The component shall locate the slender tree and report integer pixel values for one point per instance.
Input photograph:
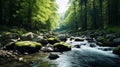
(1, 11)
(101, 13)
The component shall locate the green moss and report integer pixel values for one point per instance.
(24, 46)
(117, 50)
(28, 43)
(62, 43)
(53, 40)
(62, 46)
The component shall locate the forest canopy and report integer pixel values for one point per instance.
(29, 14)
(43, 15)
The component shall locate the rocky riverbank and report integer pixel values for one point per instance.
(13, 45)
(21, 48)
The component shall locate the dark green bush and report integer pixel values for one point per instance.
(116, 50)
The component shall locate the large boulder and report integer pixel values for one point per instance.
(100, 38)
(63, 37)
(41, 40)
(53, 40)
(110, 37)
(24, 46)
(116, 41)
(116, 50)
(8, 41)
(8, 37)
(62, 46)
(102, 41)
(47, 49)
(53, 56)
(28, 36)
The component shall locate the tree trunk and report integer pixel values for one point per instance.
(1, 11)
(101, 14)
(109, 12)
(76, 24)
(94, 24)
(85, 17)
(29, 15)
(11, 12)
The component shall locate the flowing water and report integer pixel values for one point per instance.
(83, 56)
(88, 57)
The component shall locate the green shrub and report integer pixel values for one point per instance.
(116, 50)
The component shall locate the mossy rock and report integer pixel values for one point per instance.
(116, 50)
(104, 42)
(101, 39)
(44, 42)
(62, 46)
(28, 36)
(24, 46)
(10, 46)
(7, 36)
(53, 40)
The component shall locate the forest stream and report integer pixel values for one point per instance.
(36, 33)
(85, 56)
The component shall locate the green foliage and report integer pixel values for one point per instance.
(113, 29)
(30, 14)
(116, 50)
(42, 14)
(45, 14)
(71, 16)
(92, 15)
(4, 29)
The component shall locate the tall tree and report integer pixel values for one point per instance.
(101, 13)
(84, 14)
(1, 11)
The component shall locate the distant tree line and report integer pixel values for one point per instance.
(92, 15)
